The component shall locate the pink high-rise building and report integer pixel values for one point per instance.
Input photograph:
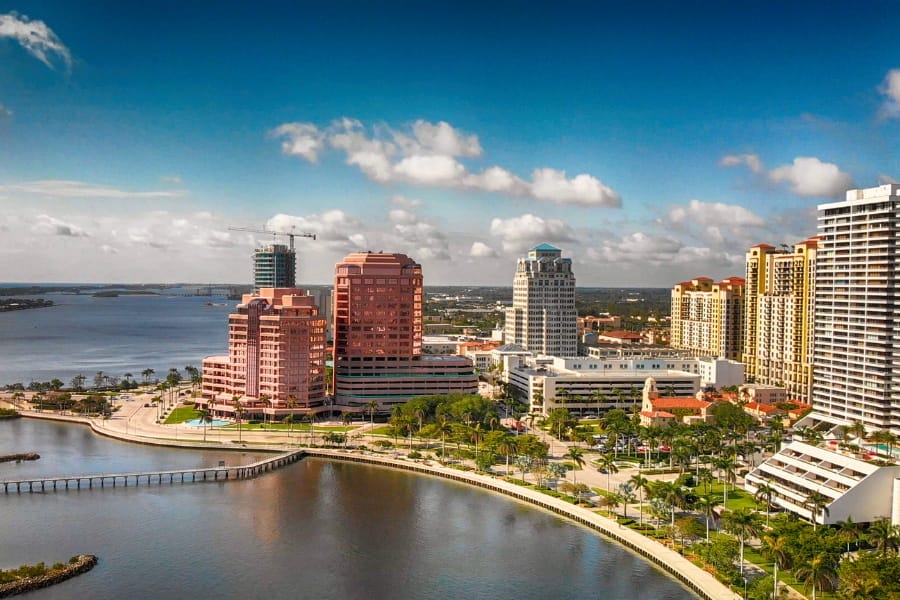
(378, 336)
(276, 358)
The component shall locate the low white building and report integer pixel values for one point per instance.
(853, 487)
(592, 386)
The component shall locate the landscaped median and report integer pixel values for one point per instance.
(696, 579)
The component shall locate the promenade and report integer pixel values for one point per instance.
(134, 422)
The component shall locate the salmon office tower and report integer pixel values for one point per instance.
(378, 336)
(542, 318)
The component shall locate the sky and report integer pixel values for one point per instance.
(653, 142)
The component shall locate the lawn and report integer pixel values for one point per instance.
(297, 428)
(182, 414)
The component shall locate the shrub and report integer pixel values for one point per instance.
(415, 454)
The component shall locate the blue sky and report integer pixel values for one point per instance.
(653, 142)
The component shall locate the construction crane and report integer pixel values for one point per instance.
(290, 235)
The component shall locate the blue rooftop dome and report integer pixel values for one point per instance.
(546, 248)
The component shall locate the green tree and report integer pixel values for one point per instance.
(576, 455)
(763, 495)
(607, 464)
(818, 573)
(642, 484)
(817, 504)
(743, 524)
(507, 448)
(707, 505)
(883, 536)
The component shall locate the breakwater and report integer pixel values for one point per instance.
(82, 564)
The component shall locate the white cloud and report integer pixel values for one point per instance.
(401, 216)
(584, 190)
(519, 233)
(809, 176)
(806, 175)
(890, 89)
(301, 139)
(47, 225)
(333, 228)
(885, 179)
(427, 154)
(405, 202)
(36, 38)
(481, 250)
(751, 161)
(172, 179)
(714, 213)
(107, 249)
(59, 188)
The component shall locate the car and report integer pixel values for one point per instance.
(664, 448)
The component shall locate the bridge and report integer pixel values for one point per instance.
(223, 473)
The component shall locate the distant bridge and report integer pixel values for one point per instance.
(224, 473)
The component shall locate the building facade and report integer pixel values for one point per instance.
(542, 318)
(274, 266)
(778, 321)
(378, 358)
(707, 317)
(276, 357)
(856, 358)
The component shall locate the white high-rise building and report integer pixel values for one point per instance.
(542, 318)
(856, 359)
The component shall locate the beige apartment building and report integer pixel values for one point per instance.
(707, 317)
(778, 331)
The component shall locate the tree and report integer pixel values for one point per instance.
(884, 536)
(238, 413)
(626, 493)
(78, 382)
(707, 504)
(576, 455)
(372, 405)
(443, 427)
(507, 448)
(816, 503)
(205, 419)
(146, 373)
(607, 464)
(819, 573)
(869, 576)
(849, 531)
(642, 484)
(743, 524)
(764, 495)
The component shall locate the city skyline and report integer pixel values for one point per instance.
(651, 144)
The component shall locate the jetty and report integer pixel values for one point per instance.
(191, 475)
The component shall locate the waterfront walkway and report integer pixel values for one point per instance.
(136, 423)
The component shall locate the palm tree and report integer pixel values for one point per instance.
(289, 419)
(849, 531)
(816, 503)
(443, 427)
(238, 413)
(858, 430)
(744, 524)
(642, 484)
(764, 495)
(708, 504)
(818, 573)
(884, 536)
(205, 419)
(577, 457)
(507, 448)
(372, 406)
(607, 463)
(777, 547)
(146, 373)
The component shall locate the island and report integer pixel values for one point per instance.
(8, 304)
(28, 578)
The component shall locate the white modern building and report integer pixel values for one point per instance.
(851, 487)
(856, 357)
(542, 318)
(591, 386)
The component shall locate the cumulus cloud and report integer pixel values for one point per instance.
(806, 176)
(107, 249)
(47, 225)
(172, 179)
(809, 176)
(714, 214)
(482, 250)
(334, 228)
(751, 161)
(522, 232)
(405, 202)
(429, 154)
(36, 38)
(59, 188)
(890, 89)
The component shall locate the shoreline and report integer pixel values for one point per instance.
(692, 577)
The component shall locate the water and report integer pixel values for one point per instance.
(316, 529)
(83, 334)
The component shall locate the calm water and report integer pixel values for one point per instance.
(83, 334)
(316, 529)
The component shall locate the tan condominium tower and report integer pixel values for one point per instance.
(542, 318)
(707, 317)
(856, 359)
(778, 320)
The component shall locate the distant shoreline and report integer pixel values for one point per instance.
(11, 304)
